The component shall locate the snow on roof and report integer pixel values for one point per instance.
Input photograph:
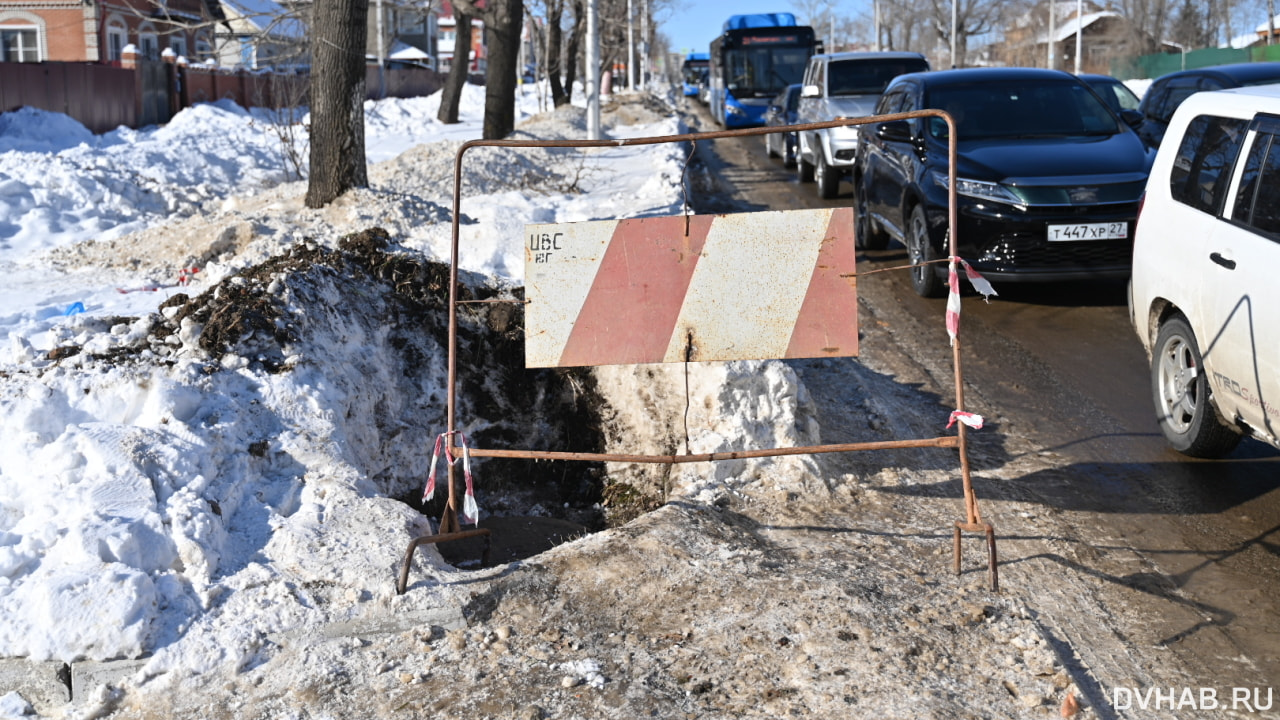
(403, 51)
(268, 16)
(1066, 28)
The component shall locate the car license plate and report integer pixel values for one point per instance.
(1089, 231)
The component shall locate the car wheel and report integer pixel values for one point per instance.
(924, 279)
(867, 235)
(789, 156)
(804, 170)
(828, 179)
(1181, 392)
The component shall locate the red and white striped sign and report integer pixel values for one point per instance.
(734, 287)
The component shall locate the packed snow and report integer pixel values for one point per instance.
(160, 510)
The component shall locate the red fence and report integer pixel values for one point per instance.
(103, 97)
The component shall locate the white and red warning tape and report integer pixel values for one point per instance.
(983, 287)
(470, 510)
(185, 276)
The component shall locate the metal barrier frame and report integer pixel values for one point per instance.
(449, 528)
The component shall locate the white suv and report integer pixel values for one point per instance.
(1205, 293)
(842, 85)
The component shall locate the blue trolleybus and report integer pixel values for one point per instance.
(694, 71)
(753, 60)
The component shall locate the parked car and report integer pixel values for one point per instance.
(1168, 91)
(1048, 179)
(782, 111)
(1204, 298)
(1115, 94)
(842, 85)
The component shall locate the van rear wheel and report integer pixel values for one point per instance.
(1181, 393)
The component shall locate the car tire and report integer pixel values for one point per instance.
(1181, 392)
(867, 235)
(789, 152)
(804, 169)
(828, 178)
(924, 279)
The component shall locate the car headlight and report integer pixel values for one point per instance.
(980, 189)
(734, 110)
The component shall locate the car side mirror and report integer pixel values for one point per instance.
(894, 131)
(810, 91)
(1132, 118)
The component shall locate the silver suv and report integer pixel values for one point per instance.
(1204, 297)
(842, 85)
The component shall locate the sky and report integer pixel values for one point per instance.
(692, 26)
(133, 523)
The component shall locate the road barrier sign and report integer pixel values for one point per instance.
(677, 289)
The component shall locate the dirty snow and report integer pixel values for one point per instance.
(227, 518)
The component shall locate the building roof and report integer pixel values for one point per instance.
(267, 17)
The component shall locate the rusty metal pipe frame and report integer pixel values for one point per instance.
(403, 580)
(973, 519)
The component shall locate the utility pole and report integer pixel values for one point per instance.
(382, 55)
(1052, 45)
(593, 73)
(955, 22)
(1271, 22)
(631, 47)
(644, 43)
(1079, 31)
(875, 14)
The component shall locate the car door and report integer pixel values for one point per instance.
(873, 159)
(1241, 346)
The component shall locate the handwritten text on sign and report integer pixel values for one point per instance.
(733, 287)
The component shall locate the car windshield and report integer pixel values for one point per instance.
(868, 77)
(1020, 109)
(1115, 94)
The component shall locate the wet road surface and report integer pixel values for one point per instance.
(1192, 547)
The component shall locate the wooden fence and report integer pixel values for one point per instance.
(104, 97)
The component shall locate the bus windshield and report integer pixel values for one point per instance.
(763, 71)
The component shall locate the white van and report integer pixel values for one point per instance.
(1205, 291)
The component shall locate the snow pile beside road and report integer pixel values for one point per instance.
(186, 482)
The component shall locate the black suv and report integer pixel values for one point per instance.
(1048, 177)
(1168, 91)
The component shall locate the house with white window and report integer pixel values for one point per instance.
(99, 30)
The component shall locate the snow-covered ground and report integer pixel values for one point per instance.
(208, 508)
(174, 506)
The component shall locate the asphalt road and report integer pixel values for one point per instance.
(1060, 366)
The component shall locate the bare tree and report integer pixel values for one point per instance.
(337, 100)
(973, 17)
(502, 20)
(451, 93)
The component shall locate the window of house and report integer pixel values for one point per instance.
(1202, 167)
(447, 35)
(178, 44)
(148, 46)
(19, 44)
(117, 38)
(204, 50)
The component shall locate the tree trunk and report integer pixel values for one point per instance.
(451, 93)
(575, 43)
(555, 11)
(502, 25)
(337, 100)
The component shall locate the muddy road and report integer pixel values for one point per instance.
(1185, 553)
